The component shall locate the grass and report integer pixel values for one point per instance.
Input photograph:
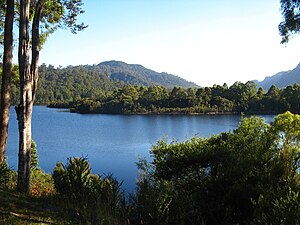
(17, 209)
(44, 205)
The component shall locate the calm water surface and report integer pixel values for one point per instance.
(112, 143)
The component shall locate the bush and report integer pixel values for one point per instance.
(152, 199)
(247, 176)
(41, 184)
(6, 174)
(97, 200)
(34, 160)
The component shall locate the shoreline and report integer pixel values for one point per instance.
(168, 113)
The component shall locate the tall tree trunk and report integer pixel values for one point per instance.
(26, 102)
(28, 87)
(36, 46)
(6, 77)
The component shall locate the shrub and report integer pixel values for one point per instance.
(41, 183)
(246, 176)
(6, 174)
(97, 200)
(152, 199)
(74, 180)
(34, 161)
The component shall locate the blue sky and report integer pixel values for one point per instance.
(207, 42)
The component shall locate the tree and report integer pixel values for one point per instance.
(178, 97)
(246, 176)
(53, 15)
(290, 25)
(6, 76)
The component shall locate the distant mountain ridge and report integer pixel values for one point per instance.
(281, 79)
(66, 84)
(138, 75)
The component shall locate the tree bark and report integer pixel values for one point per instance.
(28, 87)
(26, 102)
(36, 46)
(6, 77)
(29, 77)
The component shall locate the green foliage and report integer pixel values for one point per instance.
(74, 179)
(15, 74)
(92, 89)
(41, 183)
(278, 208)
(58, 14)
(139, 75)
(247, 176)
(151, 201)
(64, 85)
(5, 173)
(237, 98)
(96, 199)
(290, 10)
(34, 161)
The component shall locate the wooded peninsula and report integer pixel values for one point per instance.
(236, 99)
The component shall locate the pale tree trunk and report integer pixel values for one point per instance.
(28, 87)
(6, 76)
(24, 111)
(36, 46)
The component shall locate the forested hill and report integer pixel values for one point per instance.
(281, 79)
(139, 75)
(91, 81)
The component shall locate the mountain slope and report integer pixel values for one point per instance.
(139, 75)
(91, 81)
(281, 79)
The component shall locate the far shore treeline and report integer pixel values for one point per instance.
(87, 89)
(236, 99)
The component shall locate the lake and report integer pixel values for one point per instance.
(112, 143)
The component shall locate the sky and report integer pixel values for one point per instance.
(204, 41)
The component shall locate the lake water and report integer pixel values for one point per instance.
(112, 143)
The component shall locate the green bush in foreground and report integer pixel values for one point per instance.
(96, 199)
(6, 174)
(247, 176)
(41, 183)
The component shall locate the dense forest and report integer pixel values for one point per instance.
(238, 98)
(94, 89)
(138, 75)
(102, 89)
(92, 81)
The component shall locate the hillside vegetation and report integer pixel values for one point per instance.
(138, 75)
(92, 81)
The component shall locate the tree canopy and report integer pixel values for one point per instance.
(238, 98)
(290, 25)
(246, 176)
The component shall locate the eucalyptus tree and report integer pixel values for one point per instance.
(290, 25)
(41, 18)
(8, 10)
